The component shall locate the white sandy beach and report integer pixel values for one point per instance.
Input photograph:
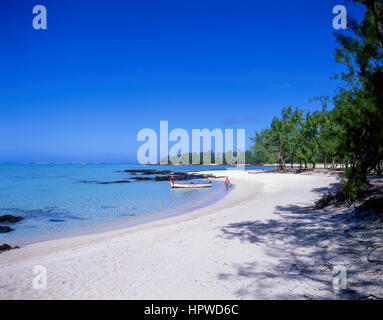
(237, 248)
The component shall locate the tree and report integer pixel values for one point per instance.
(278, 144)
(329, 135)
(263, 149)
(308, 138)
(359, 104)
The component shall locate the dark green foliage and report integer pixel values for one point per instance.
(278, 144)
(359, 104)
(297, 138)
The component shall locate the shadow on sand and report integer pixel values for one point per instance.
(306, 245)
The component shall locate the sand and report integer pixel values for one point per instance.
(248, 245)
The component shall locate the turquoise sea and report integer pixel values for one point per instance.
(57, 200)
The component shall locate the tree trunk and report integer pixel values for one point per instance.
(305, 165)
(325, 161)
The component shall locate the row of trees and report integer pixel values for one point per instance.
(209, 157)
(299, 137)
(352, 132)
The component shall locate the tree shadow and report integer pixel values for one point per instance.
(306, 244)
(331, 188)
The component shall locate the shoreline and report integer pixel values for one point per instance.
(231, 249)
(115, 228)
(105, 227)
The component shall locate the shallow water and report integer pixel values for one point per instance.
(54, 200)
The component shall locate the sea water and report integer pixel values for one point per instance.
(56, 200)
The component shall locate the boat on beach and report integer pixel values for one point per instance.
(175, 185)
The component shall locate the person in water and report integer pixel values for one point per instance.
(171, 181)
(227, 184)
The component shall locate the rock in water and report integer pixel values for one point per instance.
(9, 218)
(7, 247)
(4, 229)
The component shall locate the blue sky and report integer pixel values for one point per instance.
(103, 70)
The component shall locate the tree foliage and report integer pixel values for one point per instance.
(359, 104)
(297, 137)
(352, 132)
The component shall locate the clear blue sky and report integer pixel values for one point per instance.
(103, 70)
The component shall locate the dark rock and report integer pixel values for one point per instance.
(182, 177)
(104, 182)
(175, 177)
(9, 218)
(110, 182)
(160, 175)
(56, 220)
(160, 172)
(6, 247)
(4, 229)
(142, 178)
(148, 172)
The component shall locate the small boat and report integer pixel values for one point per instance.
(175, 185)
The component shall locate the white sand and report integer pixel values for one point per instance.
(200, 255)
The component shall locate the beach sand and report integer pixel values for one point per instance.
(243, 246)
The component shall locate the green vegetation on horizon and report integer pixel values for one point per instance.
(207, 157)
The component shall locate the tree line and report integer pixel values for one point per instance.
(299, 137)
(207, 157)
(351, 132)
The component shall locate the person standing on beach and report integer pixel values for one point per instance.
(227, 183)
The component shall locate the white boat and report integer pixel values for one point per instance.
(190, 184)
